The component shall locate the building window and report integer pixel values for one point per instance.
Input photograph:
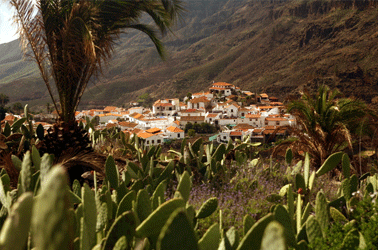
(153, 142)
(224, 137)
(277, 123)
(266, 123)
(158, 141)
(148, 142)
(178, 135)
(250, 119)
(232, 110)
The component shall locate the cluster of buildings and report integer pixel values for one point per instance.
(235, 112)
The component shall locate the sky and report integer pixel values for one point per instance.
(7, 28)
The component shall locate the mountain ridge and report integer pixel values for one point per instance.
(278, 47)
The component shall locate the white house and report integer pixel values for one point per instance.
(208, 95)
(199, 102)
(211, 118)
(166, 107)
(151, 139)
(192, 112)
(174, 133)
(276, 121)
(232, 110)
(138, 110)
(221, 89)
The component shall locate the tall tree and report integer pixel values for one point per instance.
(71, 39)
(325, 123)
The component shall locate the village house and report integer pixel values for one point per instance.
(191, 119)
(231, 110)
(212, 118)
(138, 110)
(166, 107)
(192, 112)
(151, 139)
(127, 125)
(174, 133)
(208, 95)
(199, 102)
(221, 89)
(276, 121)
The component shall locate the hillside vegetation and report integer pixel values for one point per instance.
(278, 47)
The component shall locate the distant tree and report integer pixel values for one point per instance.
(189, 95)
(191, 132)
(188, 126)
(17, 107)
(4, 99)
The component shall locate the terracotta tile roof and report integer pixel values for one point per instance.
(189, 111)
(249, 93)
(136, 130)
(222, 84)
(199, 99)
(177, 122)
(212, 115)
(243, 126)
(263, 95)
(174, 129)
(139, 116)
(144, 135)
(192, 118)
(236, 133)
(266, 107)
(9, 117)
(153, 130)
(111, 125)
(275, 119)
(257, 130)
(128, 124)
(110, 108)
(243, 109)
(163, 104)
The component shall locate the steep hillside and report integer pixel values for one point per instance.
(278, 47)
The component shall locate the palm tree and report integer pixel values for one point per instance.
(70, 40)
(325, 123)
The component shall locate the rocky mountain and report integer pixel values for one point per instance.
(278, 47)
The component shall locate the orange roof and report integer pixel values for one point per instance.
(222, 84)
(163, 104)
(9, 117)
(138, 116)
(266, 107)
(199, 99)
(111, 125)
(110, 108)
(144, 135)
(236, 133)
(128, 124)
(248, 93)
(257, 130)
(192, 118)
(177, 122)
(275, 119)
(174, 129)
(263, 95)
(212, 115)
(153, 130)
(243, 126)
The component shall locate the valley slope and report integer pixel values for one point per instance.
(278, 47)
